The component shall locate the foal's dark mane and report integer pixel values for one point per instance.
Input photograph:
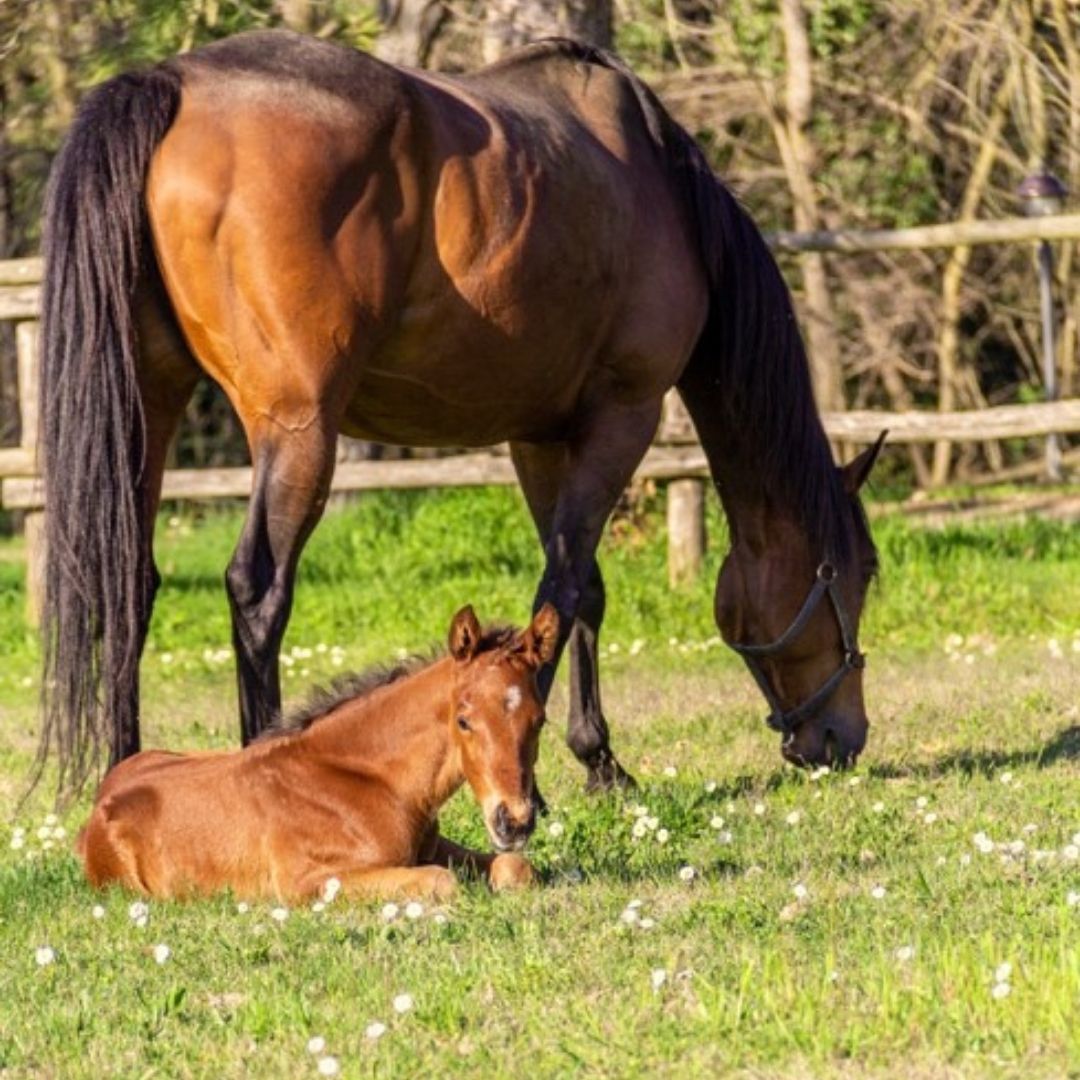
(323, 700)
(750, 361)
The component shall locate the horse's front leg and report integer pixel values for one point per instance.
(385, 883)
(571, 490)
(293, 469)
(505, 871)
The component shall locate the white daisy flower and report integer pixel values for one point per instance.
(1001, 990)
(687, 873)
(44, 956)
(793, 818)
(97, 911)
(716, 822)
(279, 914)
(403, 1003)
(162, 953)
(556, 829)
(663, 836)
(328, 1066)
(657, 978)
(800, 891)
(904, 953)
(375, 1030)
(390, 912)
(878, 892)
(138, 910)
(413, 910)
(316, 1044)
(330, 889)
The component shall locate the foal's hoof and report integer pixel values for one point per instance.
(606, 774)
(510, 872)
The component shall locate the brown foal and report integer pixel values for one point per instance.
(352, 792)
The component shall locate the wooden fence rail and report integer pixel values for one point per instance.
(677, 457)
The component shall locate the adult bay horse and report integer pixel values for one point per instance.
(534, 253)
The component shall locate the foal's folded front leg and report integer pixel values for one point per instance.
(394, 883)
(508, 871)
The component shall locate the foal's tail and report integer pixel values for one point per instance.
(98, 569)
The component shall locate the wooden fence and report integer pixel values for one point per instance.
(676, 457)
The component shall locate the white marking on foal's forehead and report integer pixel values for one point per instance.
(513, 698)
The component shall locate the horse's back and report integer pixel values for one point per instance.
(143, 803)
(461, 260)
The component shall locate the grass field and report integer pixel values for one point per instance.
(917, 917)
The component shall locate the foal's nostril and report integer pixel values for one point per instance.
(509, 828)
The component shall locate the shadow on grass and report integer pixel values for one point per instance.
(1063, 746)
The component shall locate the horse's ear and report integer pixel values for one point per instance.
(855, 472)
(540, 640)
(464, 634)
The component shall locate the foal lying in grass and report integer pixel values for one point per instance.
(351, 793)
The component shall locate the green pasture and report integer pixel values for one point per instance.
(919, 916)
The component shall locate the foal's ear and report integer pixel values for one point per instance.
(538, 642)
(856, 472)
(464, 634)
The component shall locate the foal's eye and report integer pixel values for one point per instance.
(463, 723)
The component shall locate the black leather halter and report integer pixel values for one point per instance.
(787, 722)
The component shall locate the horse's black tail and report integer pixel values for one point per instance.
(98, 567)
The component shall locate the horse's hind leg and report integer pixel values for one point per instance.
(293, 467)
(167, 376)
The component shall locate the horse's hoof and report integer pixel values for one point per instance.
(510, 872)
(608, 775)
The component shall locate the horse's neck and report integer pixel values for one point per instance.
(399, 733)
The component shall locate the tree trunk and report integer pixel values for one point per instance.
(409, 30)
(509, 24)
(797, 154)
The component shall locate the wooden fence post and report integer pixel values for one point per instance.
(34, 535)
(686, 530)
(27, 344)
(685, 501)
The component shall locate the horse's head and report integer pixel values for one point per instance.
(496, 717)
(793, 611)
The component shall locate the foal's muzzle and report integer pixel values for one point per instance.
(509, 833)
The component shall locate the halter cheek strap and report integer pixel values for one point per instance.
(825, 584)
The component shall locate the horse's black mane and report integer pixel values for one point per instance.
(750, 363)
(323, 700)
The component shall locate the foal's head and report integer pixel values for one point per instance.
(792, 610)
(495, 719)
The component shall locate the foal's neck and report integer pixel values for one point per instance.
(399, 734)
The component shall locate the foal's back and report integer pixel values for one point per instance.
(206, 797)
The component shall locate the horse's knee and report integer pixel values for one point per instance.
(587, 742)
(593, 601)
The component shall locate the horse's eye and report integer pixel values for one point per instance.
(463, 723)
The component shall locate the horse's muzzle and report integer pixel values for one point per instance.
(510, 833)
(827, 740)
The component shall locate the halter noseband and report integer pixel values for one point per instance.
(787, 722)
